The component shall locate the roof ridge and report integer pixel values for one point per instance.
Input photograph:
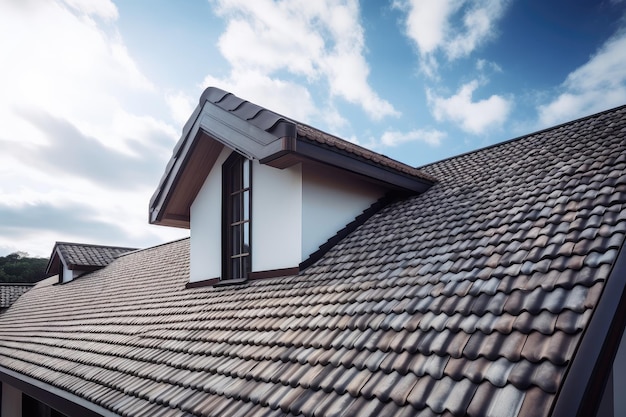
(153, 247)
(93, 245)
(522, 137)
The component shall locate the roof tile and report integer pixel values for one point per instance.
(469, 299)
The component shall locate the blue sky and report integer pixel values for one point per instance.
(93, 93)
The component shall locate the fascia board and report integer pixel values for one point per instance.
(581, 391)
(238, 134)
(348, 163)
(166, 188)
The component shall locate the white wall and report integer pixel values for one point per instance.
(276, 217)
(331, 200)
(294, 211)
(206, 225)
(11, 402)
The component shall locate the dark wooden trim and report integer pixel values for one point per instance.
(349, 228)
(204, 283)
(227, 282)
(349, 162)
(273, 273)
(581, 392)
(62, 401)
(252, 276)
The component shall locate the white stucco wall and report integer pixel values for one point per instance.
(276, 217)
(331, 200)
(11, 402)
(294, 211)
(206, 225)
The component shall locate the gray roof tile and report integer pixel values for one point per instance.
(9, 293)
(469, 299)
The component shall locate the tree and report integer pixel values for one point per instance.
(19, 267)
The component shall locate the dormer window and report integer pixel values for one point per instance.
(236, 186)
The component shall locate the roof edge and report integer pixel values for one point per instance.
(60, 400)
(581, 392)
(524, 136)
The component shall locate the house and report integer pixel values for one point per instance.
(323, 279)
(71, 260)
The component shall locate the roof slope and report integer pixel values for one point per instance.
(11, 292)
(468, 299)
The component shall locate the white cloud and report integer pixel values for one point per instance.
(472, 116)
(74, 138)
(181, 106)
(484, 65)
(597, 85)
(452, 27)
(284, 97)
(101, 8)
(321, 41)
(429, 136)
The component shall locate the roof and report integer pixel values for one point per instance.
(11, 292)
(470, 299)
(223, 119)
(81, 256)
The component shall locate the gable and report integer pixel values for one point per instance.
(224, 120)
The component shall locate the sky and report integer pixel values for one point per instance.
(94, 93)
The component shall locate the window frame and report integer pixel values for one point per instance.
(233, 187)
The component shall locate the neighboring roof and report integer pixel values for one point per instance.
(83, 257)
(223, 119)
(470, 299)
(11, 292)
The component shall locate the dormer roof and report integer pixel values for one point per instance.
(10, 292)
(223, 119)
(82, 257)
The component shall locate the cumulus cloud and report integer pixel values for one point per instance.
(284, 97)
(75, 138)
(181, 106)
(597, 85)
(472, 116)
(429, 136)
(69, 153)
(321, 41)
(454, 28)
(101, 8)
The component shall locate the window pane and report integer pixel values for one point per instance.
(246, 173)
(236, 268)
(245, 266)
(246, 237)
(236, 239)
(236, 202)
(236, 176)
(246, 205)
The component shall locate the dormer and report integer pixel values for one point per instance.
(71, 260)
(264, 195)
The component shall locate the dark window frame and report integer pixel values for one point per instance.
(236, 221)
